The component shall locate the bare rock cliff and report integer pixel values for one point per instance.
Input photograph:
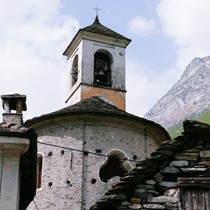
(190, 95)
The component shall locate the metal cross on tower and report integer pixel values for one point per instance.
(97, 9)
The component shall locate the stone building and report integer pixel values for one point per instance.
(17, 156)
(85, 147)
(176, 176)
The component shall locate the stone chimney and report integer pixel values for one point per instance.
(14, 102)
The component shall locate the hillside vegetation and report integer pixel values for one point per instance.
(177, 128)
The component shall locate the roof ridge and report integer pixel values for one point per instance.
(96, 20)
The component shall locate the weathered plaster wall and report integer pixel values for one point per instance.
(61, 177)
(71, 173)
(10, 150)
(85, 51)
(114, 97)
(71, 89)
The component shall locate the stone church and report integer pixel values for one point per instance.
(85, 147)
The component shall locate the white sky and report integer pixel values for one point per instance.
(166, 35)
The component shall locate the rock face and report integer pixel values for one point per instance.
(189, 97)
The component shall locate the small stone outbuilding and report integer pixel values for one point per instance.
(176, 176)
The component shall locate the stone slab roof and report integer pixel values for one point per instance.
(94, 106)
(153, 183)
(98, 28)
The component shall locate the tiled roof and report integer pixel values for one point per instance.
(8, 128)
(94, 106)
(98, 28)
(144, 186)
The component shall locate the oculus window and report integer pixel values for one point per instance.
(116, 165)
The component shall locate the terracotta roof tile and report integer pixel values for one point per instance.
(5, 127)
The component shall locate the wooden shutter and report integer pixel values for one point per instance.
(194, 193)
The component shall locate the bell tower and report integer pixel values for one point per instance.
(96, 63)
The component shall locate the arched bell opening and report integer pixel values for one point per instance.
(74, 71)
(102, 68)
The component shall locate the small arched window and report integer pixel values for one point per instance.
(102, 68)
(39, 171)
(74, 70)
(115, 165)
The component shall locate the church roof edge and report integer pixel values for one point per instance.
(93, 106)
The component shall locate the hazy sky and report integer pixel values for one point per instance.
(166, 35)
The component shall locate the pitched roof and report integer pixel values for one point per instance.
(98, 28)
(94, 106)
(152, 176)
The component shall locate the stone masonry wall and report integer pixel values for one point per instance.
(160, 188)
(61, 176)
(176, 176)
(70, 178)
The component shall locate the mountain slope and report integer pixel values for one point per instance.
(188, 98)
